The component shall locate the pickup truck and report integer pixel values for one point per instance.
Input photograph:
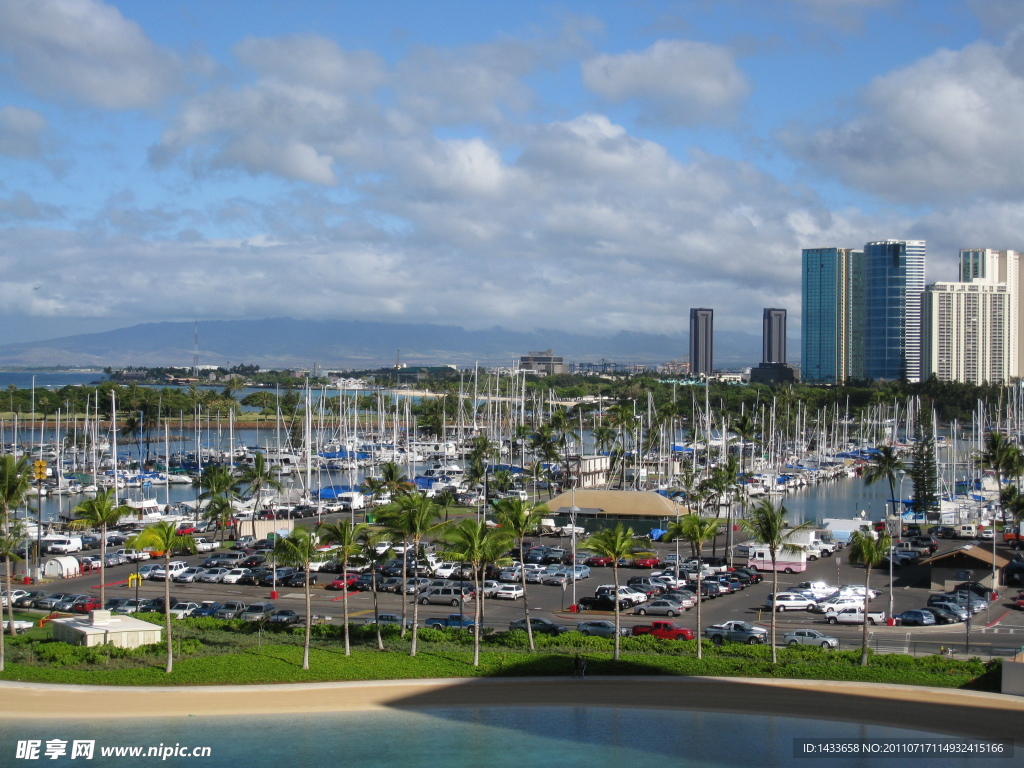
(854, 615)
(133, 555)
(736, 632)
(456, 620)
(603, 603)
(666, 630)
(204, 545)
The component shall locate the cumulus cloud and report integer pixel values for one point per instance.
(21, 132)
(85, 50)
(946, 127)
(679, 82)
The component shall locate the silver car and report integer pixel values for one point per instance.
(659, 607)
(600, 628)
(810, 637)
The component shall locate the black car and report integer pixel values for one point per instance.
(941, 615)
(754, 576)
(29, 600)
(90, 542)
(602, 603)
(365, 583)
(538, 624)
(253, 561)
(253, 577)
(925, 541)
(297, 579)
(942, 532)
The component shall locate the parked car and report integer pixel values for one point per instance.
(11, 597)
(141, 605)
(942, 616)
(86, 603)
(916, 618)
(207, 608)
(230, 610)
(214, 575)
(285, 616)
(114, 603)
(232, 575)
(183, 610)
(539, 625)
(173, 568)
(789, 601)
(509, 592)
(29, 599)
(659, 607)
(603, 603)
(189, 575)
(810, 637)
(258, 612)
(600, 628)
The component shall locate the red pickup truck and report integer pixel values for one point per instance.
(666, 630)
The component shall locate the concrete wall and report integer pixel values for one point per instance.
(1013, 675)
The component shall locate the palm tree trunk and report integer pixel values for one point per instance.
(344, 603)
(309, 621)
(167, 610)
(10, 609)
(103, 565)
(401, 589)
(477, 617)
(526, 600)
(700, 599)
(864, 629)
(415, 594)
(775, 592)
(376, 612)
(615, 574)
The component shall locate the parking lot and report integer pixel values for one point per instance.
(998, 630)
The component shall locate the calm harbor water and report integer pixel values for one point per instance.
(538, 737)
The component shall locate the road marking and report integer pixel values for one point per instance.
(993, 623)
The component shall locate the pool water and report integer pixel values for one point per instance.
(495, 737)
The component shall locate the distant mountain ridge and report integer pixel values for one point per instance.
(287, 343)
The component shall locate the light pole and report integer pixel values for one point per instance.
(573, 511)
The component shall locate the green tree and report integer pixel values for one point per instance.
(10, 542)
(520, 518)
(614, 543)
(375, 548)
(884, 464)
(471, 541)
(412, 517)
(697, 530)
(164, 537)
(346, 540)
(923, 471)
(870, 552)
(15, 483)
(394, 481)
(767, 524)
(100, 512)
(994, 456)
(298, 549)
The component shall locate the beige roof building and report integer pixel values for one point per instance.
(967, 563)
(612, 504)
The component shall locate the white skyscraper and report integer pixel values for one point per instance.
(984, 265)
(966, 332)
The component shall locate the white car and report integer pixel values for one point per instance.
(789, 601)
(509, 592)
(836, 603)
(489, 587)
(181, 610)
(819, 589)
(625, 593)
(173, 568)
(15, 595)
(232, 576)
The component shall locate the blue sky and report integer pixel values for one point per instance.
(587, 166)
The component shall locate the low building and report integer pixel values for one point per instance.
(544, 363)
(643, 511)
(588, 471)
(970, 562)
(100, 628)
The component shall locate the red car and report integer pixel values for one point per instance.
(84, 606)
(186, 530)
(344, 582)
(1020, 601)
(597, 560)
(647, 562)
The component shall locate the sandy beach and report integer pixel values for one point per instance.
(940, 710)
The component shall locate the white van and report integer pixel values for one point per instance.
(62, 545)
(967, 531)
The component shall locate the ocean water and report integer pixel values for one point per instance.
(533, 737)
(48, 379)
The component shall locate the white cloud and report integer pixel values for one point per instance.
(21, 132)
(86, 50)
(313, 62)
(680, 82)
(946, 127)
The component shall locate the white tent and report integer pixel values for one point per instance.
(62, 567)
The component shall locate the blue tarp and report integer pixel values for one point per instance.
(333, 491)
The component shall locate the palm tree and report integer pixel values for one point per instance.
(411, 517)
(866, 549)
(346, 540)
(884, 465)
(614, 543)
(376, 549)
(767, 525)
(220, 511)
(255, 479)
(100, 512)
(520, 518)
(471, 541)
(164, 537)
(298, 549)
(15, 483)
(10, 542)
(697, 530)
(445, 500)
(394, 480)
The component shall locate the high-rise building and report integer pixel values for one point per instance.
(832, 341)
(773, 336)
(701, 341)
(990, 266)
(966, 332)
(893, 288)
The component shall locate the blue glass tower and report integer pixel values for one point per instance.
(893, 291)
(831, 345)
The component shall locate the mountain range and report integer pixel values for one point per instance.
(287, 343)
